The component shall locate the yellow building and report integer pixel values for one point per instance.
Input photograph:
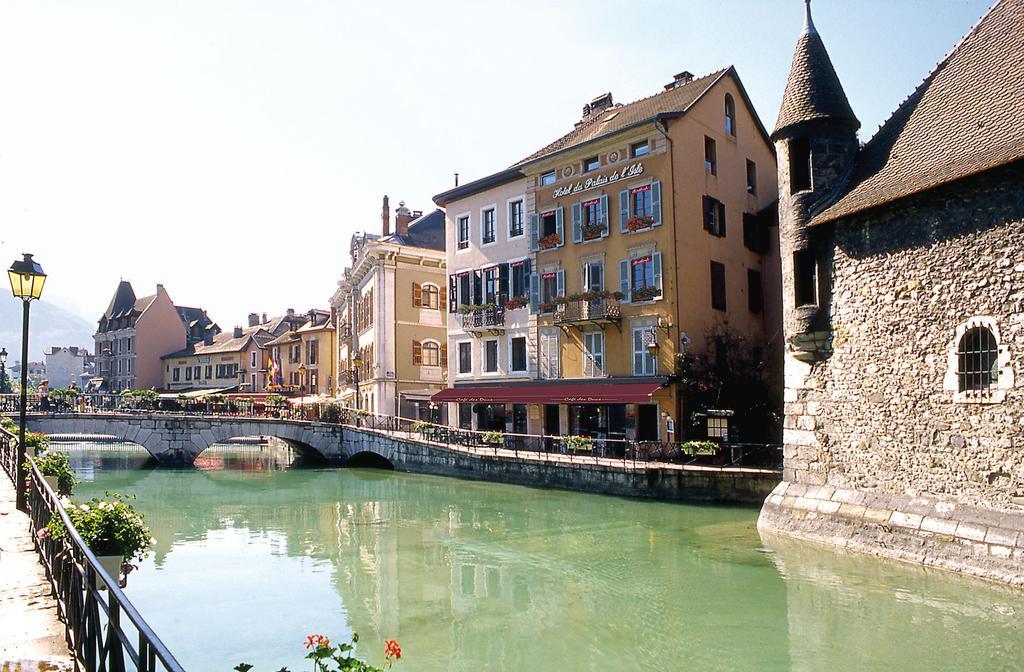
(652, 234)
(229, 360)
(391, 307)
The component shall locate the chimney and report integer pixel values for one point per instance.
(254, 319)
(238, 332)
(208, 337)
(290, 312)
(264, 320)
(402, 219)
(385, 217)
(684, 77)
(595, 107)
(312, 317)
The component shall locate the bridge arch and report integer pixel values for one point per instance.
(369, 459)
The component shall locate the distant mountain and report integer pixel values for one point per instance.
(50, 325)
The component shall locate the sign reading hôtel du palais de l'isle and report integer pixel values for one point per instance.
(599, 180)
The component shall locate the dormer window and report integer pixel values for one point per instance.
(730, 116)
(799, 165)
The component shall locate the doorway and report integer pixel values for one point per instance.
(647, 422)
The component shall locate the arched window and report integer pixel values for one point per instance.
(431, 354)
(977, 360)
(730, 115)
(431, 295)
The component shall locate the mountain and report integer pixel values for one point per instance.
(50, 325)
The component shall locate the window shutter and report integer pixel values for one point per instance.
(442, 299)
(656, 262)
(624, 279)
(444, 355)
(417, 295)
(706, 209)
(577, 223)
(534, 292)
(560, 283)
(603, 215)
(528, 267)
(560, 225)
(721, 219)
(534, 231)
(417, 353)
(656, 202)
(623, 210)
(502, 284)
(556, 347)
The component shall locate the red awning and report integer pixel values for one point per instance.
(614, 393)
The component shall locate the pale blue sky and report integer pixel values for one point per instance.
(229, 148)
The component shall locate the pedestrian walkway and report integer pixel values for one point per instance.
(31, 636)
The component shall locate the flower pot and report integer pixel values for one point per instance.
(52, 482)
(111, 563)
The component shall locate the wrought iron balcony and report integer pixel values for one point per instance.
(486, 319)
(589, 311)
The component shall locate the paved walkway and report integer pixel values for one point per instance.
(31, 636)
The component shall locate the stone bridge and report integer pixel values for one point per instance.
(179, 438)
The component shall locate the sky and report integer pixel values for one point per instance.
(229, 149)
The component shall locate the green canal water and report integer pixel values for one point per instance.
(253, 554)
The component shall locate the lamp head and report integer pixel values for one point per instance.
(27, 278)
(3, 355)
(357, 358)
(302, 369)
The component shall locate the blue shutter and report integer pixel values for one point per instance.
(656, 262)
(603, 215)
(560, 283)
(560, 225)
(577, 223)
(623, 210)
(656, 202)
(534, 231)
(624, 279)
(534, 292)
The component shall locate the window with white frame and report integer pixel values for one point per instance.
(487, 226)
(491, 356)
(644, 362)
(593, 275)
(547, 178)
(515, 218)
(517, 354)
(431, 353)
(593, 354)
(979, 369)
(252, 359)
(465, 357)
(549, 355)
(463, 232)
(430, 296)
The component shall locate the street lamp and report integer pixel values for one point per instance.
(27, 279)
(302, 377)
(3, 371)
(357, 360)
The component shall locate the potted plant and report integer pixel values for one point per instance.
(578, 444)
(493, 438)
(646, 293)
(550, 241)
(516, 302)
(36, 443)
(114, 531)
(592, 231)
(639, 223)
(56, 470)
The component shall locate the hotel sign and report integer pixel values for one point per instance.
(599, 181)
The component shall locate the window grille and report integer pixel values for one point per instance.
(978, 361)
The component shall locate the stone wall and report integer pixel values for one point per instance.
(746, 486)
(875, 417)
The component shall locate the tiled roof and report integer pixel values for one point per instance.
(618, 118)
(222, 343)
(813, 90)
(144, 302)
(424, 231)
(284, 339)
(966, 117)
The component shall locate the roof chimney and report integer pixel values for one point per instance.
(290, 312)
(402, 218)
(254, 319)
(238, 332)
(595, 107)
(385, 217)
(684, 77)
(264, 320)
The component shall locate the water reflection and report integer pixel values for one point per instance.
(479, 576)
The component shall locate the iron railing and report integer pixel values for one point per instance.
(597, 311)
(484, 319)
(104, 632)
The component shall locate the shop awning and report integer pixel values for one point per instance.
(585, 393)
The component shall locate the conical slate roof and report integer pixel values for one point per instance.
(122, 302)
(813, 90)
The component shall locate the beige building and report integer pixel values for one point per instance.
(391, 306)
(305, 355)
(228, 361)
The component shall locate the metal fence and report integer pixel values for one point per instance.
(103, 629)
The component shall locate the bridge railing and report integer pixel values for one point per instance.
(103, 629)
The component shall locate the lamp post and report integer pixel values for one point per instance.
(302, 378)
(27, 279)
(357, 359)
(3, 372)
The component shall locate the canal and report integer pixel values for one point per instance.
(254, 552)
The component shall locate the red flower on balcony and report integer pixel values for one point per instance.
(515, 303)
(646, 293)
(592, 231)
(639, 223)
(549, 241)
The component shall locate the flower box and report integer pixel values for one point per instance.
(592, 231)
(646, 293)
(549, 241)
(639, 223)
(515, 303)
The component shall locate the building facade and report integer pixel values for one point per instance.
(132, 335)
(903, 311)
(66, 365)
(391, 304)
(647, 234)
(234, 360)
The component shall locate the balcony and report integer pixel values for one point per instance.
(598, 311)
(484, 319)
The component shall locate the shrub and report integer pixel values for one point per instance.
(578, 443)
(57, 465)
(493, 438)
(699, 448)
(109, 526)
(331, 413)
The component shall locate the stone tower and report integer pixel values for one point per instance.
(816, 141)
